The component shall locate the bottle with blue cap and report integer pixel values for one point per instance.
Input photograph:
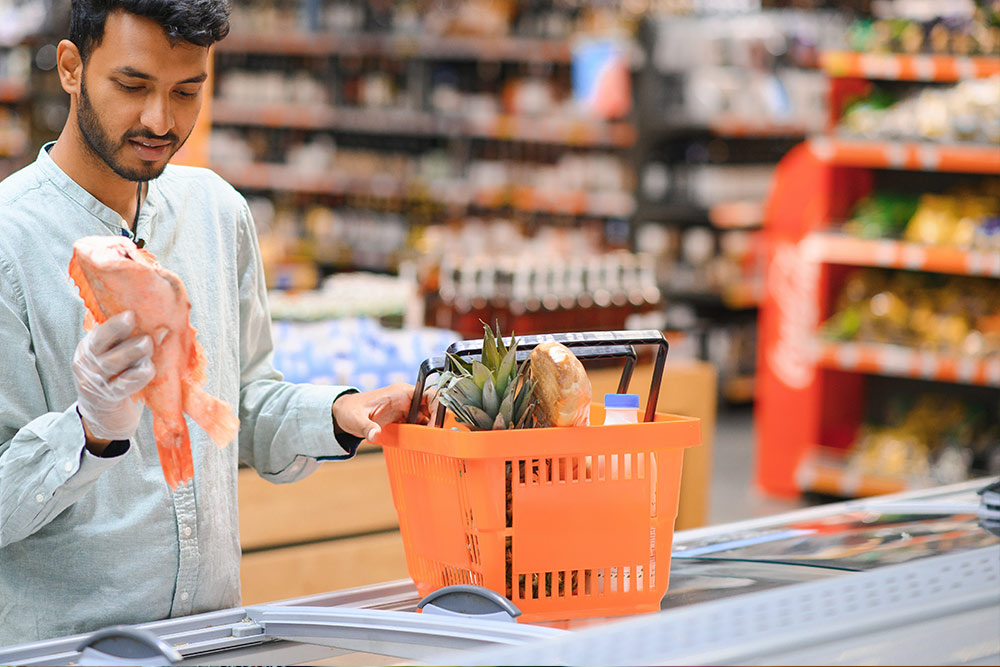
(621, 409)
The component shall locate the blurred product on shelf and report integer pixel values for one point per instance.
(954, 28)
(929, 439)
(700, 261)
(15, 128)
(354, 350)
(480, 18)
(590, 184)
(965, 217)
(602, 84)
(947, 314)
(341, 238)
(559, 279)
(753, 70)
(355, 294)
(15, 68)
(967, 111)
(20, 19)
(13, 133)
(881, 215)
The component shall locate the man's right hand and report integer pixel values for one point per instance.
(109, 365)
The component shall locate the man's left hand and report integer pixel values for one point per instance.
(365, 413)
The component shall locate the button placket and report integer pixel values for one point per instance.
(188, 551)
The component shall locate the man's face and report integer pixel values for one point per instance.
(139, 96)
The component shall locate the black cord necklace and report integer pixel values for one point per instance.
(139, 243)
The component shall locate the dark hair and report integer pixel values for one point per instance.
(201, 22)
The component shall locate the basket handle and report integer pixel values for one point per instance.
(585, 345)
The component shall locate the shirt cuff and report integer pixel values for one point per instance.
(348, 442)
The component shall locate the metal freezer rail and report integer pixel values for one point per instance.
(939, 610)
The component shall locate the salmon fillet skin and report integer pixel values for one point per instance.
(113, 275)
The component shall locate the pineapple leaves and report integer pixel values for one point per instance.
(491, 355)
(503, 374)
(465, 391)
(493, 392)
(491, 402)
(506, 415)
(479, 419)
(480, 373)
(459, 363)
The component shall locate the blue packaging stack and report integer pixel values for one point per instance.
(354, 351)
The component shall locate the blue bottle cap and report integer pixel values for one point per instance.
(621, 401)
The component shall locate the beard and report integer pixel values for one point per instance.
(104, 147)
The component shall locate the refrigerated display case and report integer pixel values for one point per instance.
(911, 577)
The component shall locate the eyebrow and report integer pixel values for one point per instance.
(137, 74)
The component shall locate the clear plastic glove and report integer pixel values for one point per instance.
(109, 365)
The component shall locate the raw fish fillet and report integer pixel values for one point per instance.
(113, 275)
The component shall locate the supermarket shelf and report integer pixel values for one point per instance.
(842, 249)
(825, 470)
(571, 131)
(900, 361)
(516, 49)
(736, 297)
(737, 215)
(262, 176)
(13, 90)
(737, 127)
(728, 127)
(906, 67)
(679, 213)
(914, 156)
(320, 117)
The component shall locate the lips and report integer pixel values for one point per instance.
(150, 150)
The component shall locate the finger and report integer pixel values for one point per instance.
(111, 332)
(135, 378)
(382, 410)
(373, 433)
(126, 354)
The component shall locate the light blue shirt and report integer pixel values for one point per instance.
(87, 541)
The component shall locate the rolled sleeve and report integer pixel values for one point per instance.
(44, 469)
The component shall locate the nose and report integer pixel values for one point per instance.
(157, 115)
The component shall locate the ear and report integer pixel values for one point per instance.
(70, 66)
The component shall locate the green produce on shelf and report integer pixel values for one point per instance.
(959, 218)
(881, 215)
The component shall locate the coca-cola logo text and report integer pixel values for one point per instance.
(792, 288)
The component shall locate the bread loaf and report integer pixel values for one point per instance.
(562, 387)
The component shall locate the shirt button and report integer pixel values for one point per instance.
(69, 466)
(187, 531)
(40, 498)
(184, 595)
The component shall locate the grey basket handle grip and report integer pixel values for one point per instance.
(126, 645)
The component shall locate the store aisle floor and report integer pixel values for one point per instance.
(733, 494)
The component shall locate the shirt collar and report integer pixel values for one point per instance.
(89, 202)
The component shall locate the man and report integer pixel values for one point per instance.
(90, 534)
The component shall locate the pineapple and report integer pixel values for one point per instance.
(492, 392)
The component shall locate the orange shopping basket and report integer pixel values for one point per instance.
(563, 522)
